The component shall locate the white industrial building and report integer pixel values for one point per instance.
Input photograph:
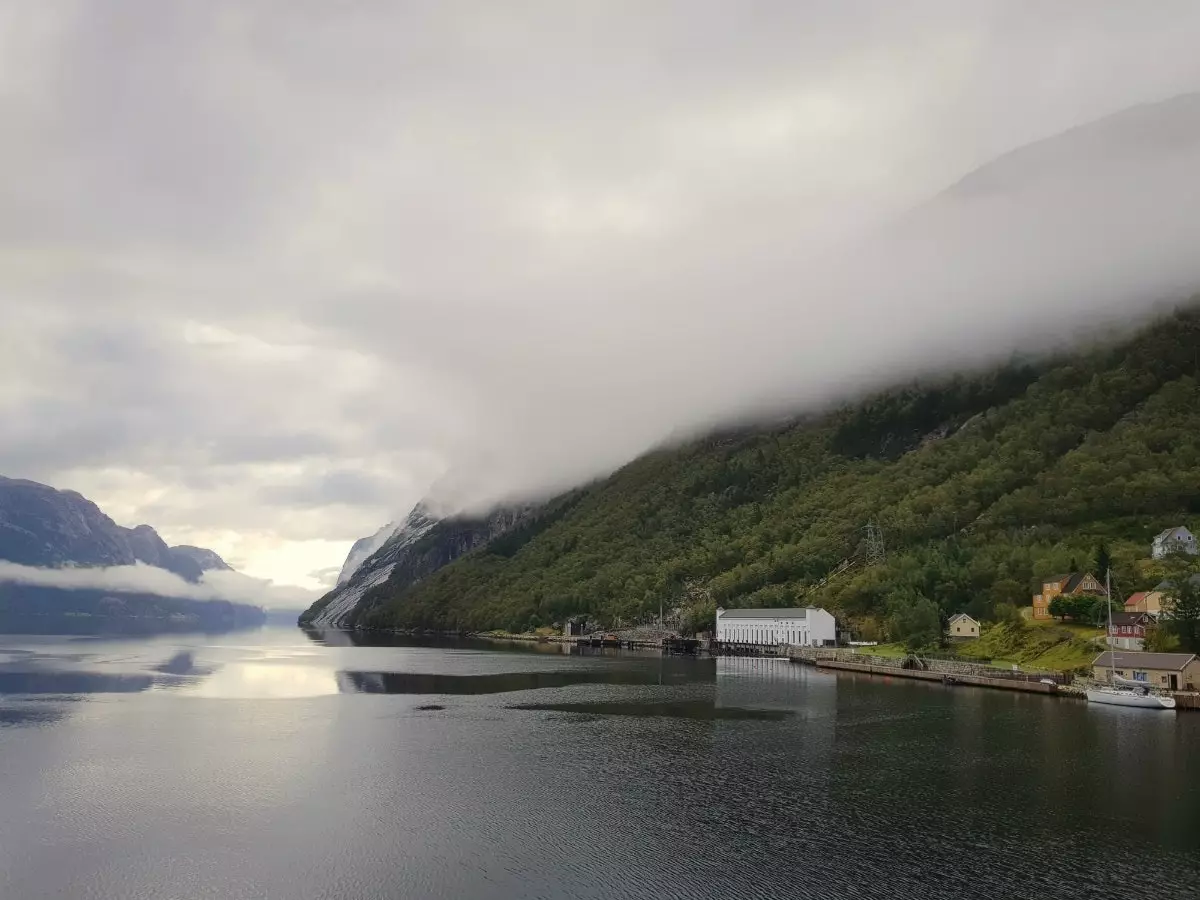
(807, 627)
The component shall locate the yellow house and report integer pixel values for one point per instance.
(1071, 583)
(1145, 602)
(963, 626)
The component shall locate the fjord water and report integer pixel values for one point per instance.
(274, 764)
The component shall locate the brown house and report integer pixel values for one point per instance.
(1056, 585)
(1173, 671)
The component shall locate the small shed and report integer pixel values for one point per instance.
(963, 626)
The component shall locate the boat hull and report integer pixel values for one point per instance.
(1128, 698)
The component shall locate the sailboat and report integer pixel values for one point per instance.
(1122, 691)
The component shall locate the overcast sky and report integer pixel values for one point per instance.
(272, 271)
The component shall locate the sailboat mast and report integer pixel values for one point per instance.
(1112, 651)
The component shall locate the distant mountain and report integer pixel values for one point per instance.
(362, 550)
(1170, 128)
(206, 560)
(45, 528)
(48, 528)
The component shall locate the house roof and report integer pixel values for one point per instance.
(797, 613)
(1130, 660)
(1131, 618)
(1135, 599)
(1074, 581)
(957, 616)
(1177, 531)
(1055, 579)
(1167, 584)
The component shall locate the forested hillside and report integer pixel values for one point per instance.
(981, 485)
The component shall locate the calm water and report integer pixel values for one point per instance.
(273, 764)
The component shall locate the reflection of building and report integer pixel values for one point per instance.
(802, 627)
(1176, 671)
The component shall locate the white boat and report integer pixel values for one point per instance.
(1118, 697)
(1124, 692)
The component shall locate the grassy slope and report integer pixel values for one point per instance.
(1101, 446)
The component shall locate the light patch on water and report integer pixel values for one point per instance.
(263, 681)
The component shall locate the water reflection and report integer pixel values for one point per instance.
(182, 663)
(678, 709)
(266, 681)
(30, 715)
(72, 683)
(504, 682)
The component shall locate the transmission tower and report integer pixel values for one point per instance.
(874, 549)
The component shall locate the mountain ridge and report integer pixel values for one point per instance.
(1012, 485)
(43, 528)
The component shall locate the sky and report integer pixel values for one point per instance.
(272, 272)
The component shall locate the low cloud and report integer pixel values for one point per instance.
(139, 578)
(326, 259)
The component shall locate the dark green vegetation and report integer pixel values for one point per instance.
(982, 485)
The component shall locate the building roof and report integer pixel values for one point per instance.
(1167, 584)
(1177, 531)
(957, 616)
(1135, 599)
(797, 613)
(1131, 618)
(1075, 580)
(1055, 579)
(1132, 660)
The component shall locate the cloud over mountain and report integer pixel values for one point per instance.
(271, 271)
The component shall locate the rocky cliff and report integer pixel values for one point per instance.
(205, 559)
(363, 549)
(419, 547)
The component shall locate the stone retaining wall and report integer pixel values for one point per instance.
(939, 666)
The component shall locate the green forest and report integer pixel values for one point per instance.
(980, 484)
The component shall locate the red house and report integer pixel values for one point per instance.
(1128, 630)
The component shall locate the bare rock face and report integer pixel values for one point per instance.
(421, 545)
(40, 526)
(206, 560)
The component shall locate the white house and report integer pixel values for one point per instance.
(1174, 540)
(806, 627)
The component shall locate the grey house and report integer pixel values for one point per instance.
(1174, 540)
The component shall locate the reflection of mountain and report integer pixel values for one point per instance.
(72, 683)
(427, 683)
(42, 686)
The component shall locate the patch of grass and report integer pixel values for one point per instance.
(893, 651)
(1053, 647)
